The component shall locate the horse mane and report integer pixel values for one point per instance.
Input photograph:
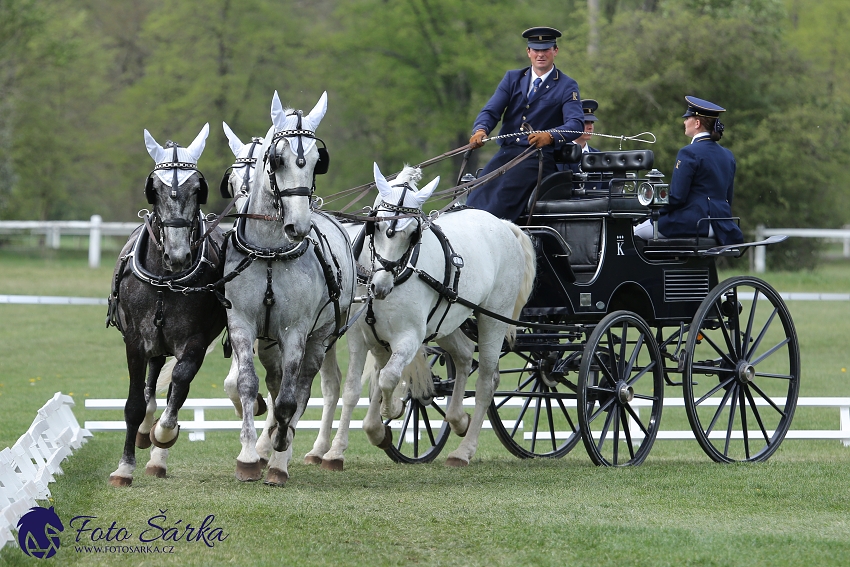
(411, 175)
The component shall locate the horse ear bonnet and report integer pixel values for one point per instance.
(150, 195)
(224, 187)
(324, 161)
(203, 189)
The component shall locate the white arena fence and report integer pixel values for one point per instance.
(95, 228)
(29, 465)
(199, 424)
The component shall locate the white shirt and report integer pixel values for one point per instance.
(700, 135)
(541, 77)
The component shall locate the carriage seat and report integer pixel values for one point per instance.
(556, 197)
(671, 247)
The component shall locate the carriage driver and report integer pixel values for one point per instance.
(544, 98)
(702, 182)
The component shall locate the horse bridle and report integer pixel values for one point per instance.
(275, 160)
(155, 218)
(394, 266)
(249, 163)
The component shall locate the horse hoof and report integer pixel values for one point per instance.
(155, 470)
(261, 406)
(119, 481)
(387, 442)
(167, 444)
(333, 464)
(312, 460)
(247, 472)
(276, 477)
(456, 462)
(143, 440)
(263, 463)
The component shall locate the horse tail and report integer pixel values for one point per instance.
(163, 381)
(416, 376)
(529, 274)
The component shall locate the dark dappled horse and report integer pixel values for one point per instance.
(169, 254)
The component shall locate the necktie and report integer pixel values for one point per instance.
(533, 92)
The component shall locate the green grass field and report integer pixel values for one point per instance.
(676, 509)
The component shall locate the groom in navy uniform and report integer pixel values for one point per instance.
(540, 96)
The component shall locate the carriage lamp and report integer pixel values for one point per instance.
(661, 190)
(646, 193)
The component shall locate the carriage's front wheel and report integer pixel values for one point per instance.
(620, 390)
(742, 375)
(422, 429)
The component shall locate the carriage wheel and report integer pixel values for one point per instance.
(620, 390)
(742, 375)
(537, 418)
(423, 431)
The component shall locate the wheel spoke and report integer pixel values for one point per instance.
(717, 413)
(627, 432)
(522, 411)
(605, 430)
(756, 413)
(427, 423)
(724, 355)
(605, 369)
(730, 424)
(621, 363)
(744, 426)
(636, 417)
(536, 421)
(602, 408)
(551, 422)
(771, 351)
(766, 398)
(641, 373)
(405, 425)
(750, 321)
(516, 392)
(633, 357)
(772, 375)
(566, 414)
(763, 332)
(714, 390)
(711, 369)
(616, 414)
(438, 409)
(729, 344)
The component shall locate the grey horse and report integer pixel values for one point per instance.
(295, 285)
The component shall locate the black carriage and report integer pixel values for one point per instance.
(613, 321)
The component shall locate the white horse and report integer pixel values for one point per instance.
(497, 264)
(295, 293)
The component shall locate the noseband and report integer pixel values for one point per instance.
(155, 219)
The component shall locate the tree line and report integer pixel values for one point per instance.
(81, 79)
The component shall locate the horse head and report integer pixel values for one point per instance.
(292, 159)
(392, 240)
(236, 181)
(176, 189)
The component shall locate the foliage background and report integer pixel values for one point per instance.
(81, 79)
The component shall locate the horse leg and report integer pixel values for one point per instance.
(334, 459)
(134, 413)
(301, 362)
(143, 439)
(490, 336)
(461, 349)
(331, 379)
(232, 391)
(248, 466)
(165, 431)
(269, 354)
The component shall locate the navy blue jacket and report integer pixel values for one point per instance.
(557, 105)
(701, 187)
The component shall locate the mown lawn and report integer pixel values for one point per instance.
(676, 509)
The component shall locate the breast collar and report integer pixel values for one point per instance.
(181, 279)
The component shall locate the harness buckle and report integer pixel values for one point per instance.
(456, 260)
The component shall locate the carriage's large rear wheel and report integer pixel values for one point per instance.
(533, 412)
(423, 431)
(742, 374)
(620, 390)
